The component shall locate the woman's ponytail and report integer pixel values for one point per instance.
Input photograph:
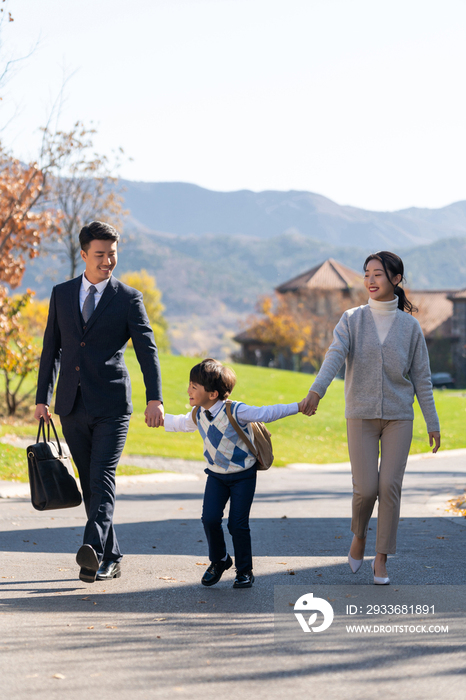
(403, 302)
(393, 266)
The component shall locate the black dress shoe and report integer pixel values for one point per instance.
(108, 569)
(214, 572)
(244, 580)
(89, 563)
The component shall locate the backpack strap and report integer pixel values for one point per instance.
(239, 431)
(194, 415)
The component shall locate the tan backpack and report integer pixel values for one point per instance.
(262, 448)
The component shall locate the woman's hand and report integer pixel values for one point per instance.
(309, 404)
(435, 436)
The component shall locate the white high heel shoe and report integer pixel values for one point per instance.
(379, 580)
(355, 564)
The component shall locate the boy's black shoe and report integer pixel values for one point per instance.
(214, 572)
(244, 580)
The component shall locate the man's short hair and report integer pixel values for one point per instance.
(97, 231)
(214, 376)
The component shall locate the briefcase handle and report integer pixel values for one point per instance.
(42, 429)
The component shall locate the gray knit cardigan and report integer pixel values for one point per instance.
(380, 379)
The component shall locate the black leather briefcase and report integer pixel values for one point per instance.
(50, 473)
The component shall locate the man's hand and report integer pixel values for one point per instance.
(154, 414)
(435, 436)
(308, 405)
(42, 411)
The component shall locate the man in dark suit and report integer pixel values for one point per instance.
(91, 318)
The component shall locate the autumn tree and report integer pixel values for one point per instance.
(152, 296)
(21, 225)
(34, 314)
(83, 187)
(19, 356)
(300, 325)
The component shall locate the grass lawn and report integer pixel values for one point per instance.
(13, 465)
(320, 439)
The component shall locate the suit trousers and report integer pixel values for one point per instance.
(372, 481)
(239, 488)
(96, 444)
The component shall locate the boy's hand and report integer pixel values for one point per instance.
(154, 414)
(309, 404)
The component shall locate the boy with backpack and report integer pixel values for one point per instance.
(232, 464)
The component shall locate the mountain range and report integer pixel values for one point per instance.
(184, 209)
(214, 253)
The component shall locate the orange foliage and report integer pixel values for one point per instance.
(18, 355)
(21, 228)
(280, 327)
(301, 324)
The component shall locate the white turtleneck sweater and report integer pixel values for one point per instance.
(383, 313)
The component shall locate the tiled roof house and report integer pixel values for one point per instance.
(436, 314)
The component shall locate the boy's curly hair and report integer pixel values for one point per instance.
(214, 376)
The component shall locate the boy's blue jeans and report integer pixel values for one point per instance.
(240, 490)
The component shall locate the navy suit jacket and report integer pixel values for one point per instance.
(92, 354)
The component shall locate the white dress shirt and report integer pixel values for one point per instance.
(84, 291)
(246, 414)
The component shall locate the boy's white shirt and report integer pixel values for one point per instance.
(245, 414)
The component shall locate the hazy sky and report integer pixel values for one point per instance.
(362, 101)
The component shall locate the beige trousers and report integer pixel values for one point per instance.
(371, 480)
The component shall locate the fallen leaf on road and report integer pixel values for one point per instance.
(201, 563)
(159, 619)
(91, 627)
(290, 572)
(60, 676)
(111, 627)
(167, 578)
(440, 538)
(202, 601)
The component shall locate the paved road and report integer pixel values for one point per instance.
(156, 632)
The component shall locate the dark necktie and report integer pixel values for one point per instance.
(209, 416)
(89, 304)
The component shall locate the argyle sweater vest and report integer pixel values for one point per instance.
(224, 451)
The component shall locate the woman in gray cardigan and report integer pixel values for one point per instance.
(387, 363)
